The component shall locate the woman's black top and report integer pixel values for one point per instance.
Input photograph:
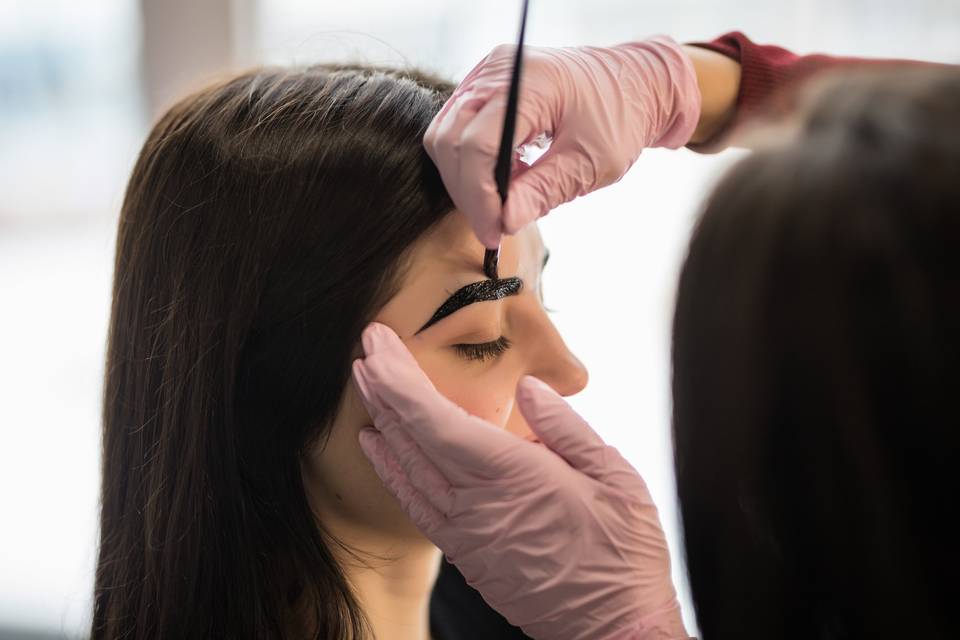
(458, 612)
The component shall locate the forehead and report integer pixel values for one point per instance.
(449, 257)
(451, 249)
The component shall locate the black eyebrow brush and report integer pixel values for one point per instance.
(501, 172)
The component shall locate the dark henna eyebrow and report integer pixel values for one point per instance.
(482, 291)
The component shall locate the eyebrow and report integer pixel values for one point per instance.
(482, 291)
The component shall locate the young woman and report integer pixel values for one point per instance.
(268, 219)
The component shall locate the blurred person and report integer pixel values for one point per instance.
(815, 357)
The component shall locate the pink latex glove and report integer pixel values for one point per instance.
(600, 105)
(562, 538)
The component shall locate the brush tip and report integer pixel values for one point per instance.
(491, 259)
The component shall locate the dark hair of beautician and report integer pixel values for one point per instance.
(816, 365)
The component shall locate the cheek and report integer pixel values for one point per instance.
(482, 390)
(344, 489)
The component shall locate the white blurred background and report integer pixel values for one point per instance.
(80, 83)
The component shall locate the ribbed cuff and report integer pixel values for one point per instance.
(765, 71)
(770, 80)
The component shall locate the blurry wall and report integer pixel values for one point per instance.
(80, 84)
(182, 42)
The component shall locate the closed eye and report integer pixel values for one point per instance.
(483, 351)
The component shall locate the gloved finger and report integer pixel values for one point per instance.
(423, 475)
(399, 395)
(467, 165)
(549, 182)
(424, 515)
(477, 194)
(479, 147)
(459, 445)
(387, 363)
(430, 135)
(441, 122)
(444, 147)
(560, 428)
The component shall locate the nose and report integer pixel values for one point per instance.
(554, 363)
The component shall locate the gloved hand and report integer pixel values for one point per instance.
(601, 105)
(562, 537)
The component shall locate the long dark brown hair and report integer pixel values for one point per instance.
(816, 372)
(266, 220)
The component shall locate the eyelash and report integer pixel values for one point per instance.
(484, 350)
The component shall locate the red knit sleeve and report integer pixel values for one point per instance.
(769, 79)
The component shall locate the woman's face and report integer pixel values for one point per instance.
(474, 355)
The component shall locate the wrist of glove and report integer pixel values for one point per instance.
(600, 106)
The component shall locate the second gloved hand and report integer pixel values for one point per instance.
(562, 537)
(601, 105)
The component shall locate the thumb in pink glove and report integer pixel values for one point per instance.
(562, 537)
(601, 105)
